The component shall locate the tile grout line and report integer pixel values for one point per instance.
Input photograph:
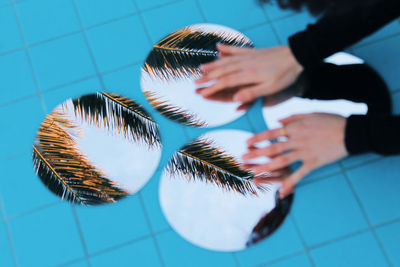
(100, 79)
(385, 38)
(10, 241)
(279, 259)
(303, 241)
(87, 28)
(270, 22)
(202, 14)
(362, 208)
(152, 234)
(91, 54)
(147, 217)
(274, 30)
(68, 263)
(36, 209)
(126, 243)
(323, 177)
(78, 224)
(26, 49)
(151, 41)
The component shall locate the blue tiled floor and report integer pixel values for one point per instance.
(344, 214)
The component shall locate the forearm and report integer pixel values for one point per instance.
(373, 133)
(336, 31)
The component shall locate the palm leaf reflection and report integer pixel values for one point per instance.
(199, 160)
(64, 170)
(180, 54)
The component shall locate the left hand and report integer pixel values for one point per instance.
(315, 139)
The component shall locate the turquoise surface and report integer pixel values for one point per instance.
(344, 214)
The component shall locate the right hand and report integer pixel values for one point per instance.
(244, 74)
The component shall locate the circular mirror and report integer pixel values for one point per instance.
(167, 77)
(96, 149)
(210, 200)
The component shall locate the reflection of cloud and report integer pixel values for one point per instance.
(209, 216)
(128, 164)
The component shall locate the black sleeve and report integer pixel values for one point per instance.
(336, 31)
(378, 134)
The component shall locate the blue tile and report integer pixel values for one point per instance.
(176, 252)
(46, 19)
(18, 174)
(164, 20)
(299, 261)
(142, 253)
(396, 103)
(152, 203)
(324, 171)
(82, 263)
(125, 82)
(262, 36)
(359, 159)
(389, 237)
(5, 2)
(378, 186)
(22, 119)
(390, 29)
(55, 229)
(285, 241)
(236, 14)
(119, 43)
(94, 12)
(9, 29)
(6, 258)
(16, 77)
(359, 250)
(292, 25)
(112, 224)
(275, 12)
(327, 209)
(384, 56)
(63, 60)
(54, 98)
(145, 4)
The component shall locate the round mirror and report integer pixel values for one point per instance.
(210, 200)
(96, 149)
(167, 77)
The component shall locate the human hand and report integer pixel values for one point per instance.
(243, 74)
(315, 139)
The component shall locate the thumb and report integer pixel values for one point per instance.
(232, 50)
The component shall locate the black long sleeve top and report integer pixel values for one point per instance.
(334, 32)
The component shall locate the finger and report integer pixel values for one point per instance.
(278, 162)
(274, 177)
(249, 93)
(290, 182)
(269, 151)
(235, 50)
(292, 118)
(225, 96)
(244, 106)
(229, 81)
(267, 135)
(219, 72)
(220, 63)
